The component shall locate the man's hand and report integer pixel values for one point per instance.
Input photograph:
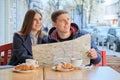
(92, 54)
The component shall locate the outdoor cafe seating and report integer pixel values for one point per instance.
(5, 53)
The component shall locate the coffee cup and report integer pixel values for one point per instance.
(76, 62)
(31, 61)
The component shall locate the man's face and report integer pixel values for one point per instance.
(62, 23)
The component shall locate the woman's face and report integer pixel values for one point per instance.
(37, 23)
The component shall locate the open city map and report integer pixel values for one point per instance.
(53, 53)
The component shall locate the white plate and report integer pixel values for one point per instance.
(54, 68)
(22, 71)
(36, 65)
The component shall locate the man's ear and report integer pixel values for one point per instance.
(53, 23)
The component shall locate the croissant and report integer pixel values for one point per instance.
(24, 67)
(64, 66)
(58, 67)
(67, 66)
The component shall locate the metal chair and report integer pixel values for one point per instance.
(5, 53)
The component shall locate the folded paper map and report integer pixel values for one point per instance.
(53, 53)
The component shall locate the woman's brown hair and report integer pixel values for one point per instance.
(28, 21)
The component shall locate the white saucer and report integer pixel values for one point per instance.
(22, 71)
(54, 68)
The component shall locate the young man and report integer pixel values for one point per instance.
(64, 30)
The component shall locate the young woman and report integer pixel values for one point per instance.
(29, 35)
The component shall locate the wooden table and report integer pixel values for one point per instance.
(97, 73)
(8, 74)
(46, 73)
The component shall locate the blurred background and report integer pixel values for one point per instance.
(101, 18)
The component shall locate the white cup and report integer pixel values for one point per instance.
(76, 62)
(31, 61)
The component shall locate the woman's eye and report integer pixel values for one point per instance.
(34, 19)
(68, 19)
(40, 18)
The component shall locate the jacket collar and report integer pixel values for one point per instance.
(27, 43)
(53, 33)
